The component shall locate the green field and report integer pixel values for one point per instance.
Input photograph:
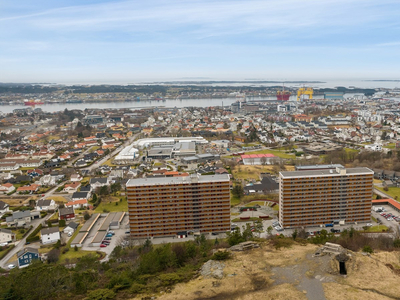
(394, 192)
(111, 206)
(378, 228)
(390, 146)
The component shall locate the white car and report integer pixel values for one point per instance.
(369, 224)
(11, 266)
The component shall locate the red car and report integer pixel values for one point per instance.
(102, 246)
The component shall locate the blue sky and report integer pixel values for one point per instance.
(133, 41)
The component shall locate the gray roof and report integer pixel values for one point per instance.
(27, 249)
(66, 211)
(5, 230)
(315, 173)
(49, 230)
(99, 180)
(80, 195)
(177, 180)
(43, 202)
(3, 205)
(21, 214)
(73, 225)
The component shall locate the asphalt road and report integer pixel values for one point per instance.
(19, 245)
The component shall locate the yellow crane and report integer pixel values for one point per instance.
(304, 91)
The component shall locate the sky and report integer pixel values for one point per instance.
(89, 41)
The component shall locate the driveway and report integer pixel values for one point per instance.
(19, 245)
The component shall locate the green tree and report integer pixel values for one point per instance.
(238, 191)
(294, 234)
(269, 229)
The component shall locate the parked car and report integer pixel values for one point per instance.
(109, 235)
(103, 246)
(111, 232)
(105, 242)
(107, 238)
(11, 266)
(369, 225)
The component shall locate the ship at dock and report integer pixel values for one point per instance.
(283, 95)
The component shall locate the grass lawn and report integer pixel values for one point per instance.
(393, 191)
(377, 181)
(72, 254)
(349, 150)
(276, 207)
(54, 217)
(261, 203)
(158, 164)
(18, 234)
(58, 199)
(108, 163)
(390, 146)
(277, 153)
(378, 228)
(234, 200)
(110, 206)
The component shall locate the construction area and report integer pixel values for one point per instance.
(294, 273)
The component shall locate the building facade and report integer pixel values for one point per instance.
(172, 206)
(318, 197)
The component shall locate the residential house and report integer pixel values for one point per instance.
(50, 235)
(267, 185)
(76, 177)
(79, 196)
(6, 188)
(72, 187)
(6, 236)
(70, 228)
(4, 208)
(26, 256)
(66, 213)
(77, 204)
(28, 189)
(45, 205)
(98, 182)
(48, 180)
(19, 218)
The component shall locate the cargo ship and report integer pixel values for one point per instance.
(33, 102)
(282, 95)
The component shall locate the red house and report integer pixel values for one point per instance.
(66, 213)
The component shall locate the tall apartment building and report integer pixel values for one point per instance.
(174, 205)
(318, 196)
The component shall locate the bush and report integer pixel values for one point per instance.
(367, 249)
(169, 279)
(86, 216)
(101, 294)
(34, 235)
(61, 223)
(221, 255)
(9, 248)
(53, 255)
(137, 288)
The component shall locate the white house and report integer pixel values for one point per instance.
(76, 177)
(98, 182)
(6, 236)
(45, 205)
(50, 235)
(374, 147)
(4, 207)
(6, 188)
(71, 227)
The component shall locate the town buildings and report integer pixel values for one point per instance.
(175, 206)
(313, 197)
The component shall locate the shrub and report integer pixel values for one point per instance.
(86, 216)
(137, 288)
(61, 223)
(101, 294)
(367, 249)
(53, 256)
(221, 255)
(169, 279)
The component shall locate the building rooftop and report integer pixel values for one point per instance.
(177, 180)
(326, 172)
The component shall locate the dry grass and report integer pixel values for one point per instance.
(253, 172)
(58, 199)
(369, 278)
(18, 201)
